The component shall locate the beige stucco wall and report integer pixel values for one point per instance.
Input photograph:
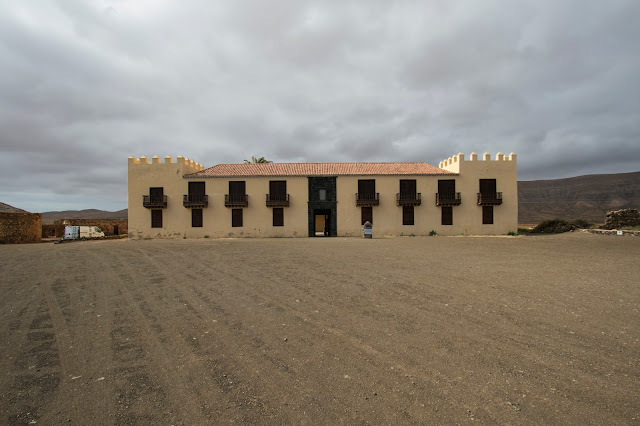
(258, 218)
(176, 219)
(467, 218)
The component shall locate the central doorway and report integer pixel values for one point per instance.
(322, 222)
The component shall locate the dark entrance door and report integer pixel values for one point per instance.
(322, 206)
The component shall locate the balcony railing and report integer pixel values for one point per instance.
(195, 200)
(236, 200)
(154, 201)
(404, 199)
(448, 199)
(277, 200)
(367, 199)
(489, 198)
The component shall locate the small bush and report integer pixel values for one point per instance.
(583, 224)
(513, 234)
(554, 226)
(433, 233)
(523, 230)
(206, 236)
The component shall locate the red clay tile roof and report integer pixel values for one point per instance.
(318, 169)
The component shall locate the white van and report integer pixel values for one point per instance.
(75, 232)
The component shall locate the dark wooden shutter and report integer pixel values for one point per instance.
(237, 187)
(278, 216)
(447, 186)
(196, 188)
(236, 218)
(487, 186)
(196, 218)
(487, 215)
(156, 218)
(367, 186)
(408, 186)
(407, 215)
(156, 195)
(278, 190)
(367, 214)
(447, 215)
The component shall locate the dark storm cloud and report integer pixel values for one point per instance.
(87, 84)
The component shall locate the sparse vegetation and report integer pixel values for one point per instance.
(512, 234)
(523, 230)
(433, 233)
(557, 226)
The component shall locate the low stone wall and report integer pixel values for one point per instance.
(20, 227)
(622, 219)
(613, 232)
(108, 226)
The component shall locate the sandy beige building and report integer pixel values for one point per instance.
(181, 199)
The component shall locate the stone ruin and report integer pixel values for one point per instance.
(622, 218)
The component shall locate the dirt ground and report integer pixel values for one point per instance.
(430, 330)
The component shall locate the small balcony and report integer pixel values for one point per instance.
(154, 201)
(277, 200)
(364, 199)
(404, 199)
(489, 198)
(448, 199)
(236, 200)
(195, 201)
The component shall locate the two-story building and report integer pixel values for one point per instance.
(178, 199)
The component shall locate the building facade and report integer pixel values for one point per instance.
(182, 199)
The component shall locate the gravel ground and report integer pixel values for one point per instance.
(431, 330)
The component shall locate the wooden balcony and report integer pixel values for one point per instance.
(236, 200)
(154, 201)
(365, 199)
(489, 198)
(195, 201)
(277, 200)
(404, 199)
(448, 199)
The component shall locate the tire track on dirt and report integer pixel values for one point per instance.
(36, 361)
(143, 347)
(224, 350)
(388, 367)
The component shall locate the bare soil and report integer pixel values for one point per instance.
(432, 330)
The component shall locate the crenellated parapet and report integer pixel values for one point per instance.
(455, 162)
(188, 166)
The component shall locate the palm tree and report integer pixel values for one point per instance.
(258, 160)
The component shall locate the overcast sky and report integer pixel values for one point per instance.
(85, 84)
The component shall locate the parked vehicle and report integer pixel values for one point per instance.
(75, 232)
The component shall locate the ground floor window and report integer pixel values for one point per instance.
(487, 215)
(196, 218)
(407, 215)
(367, 215)
(278, 216)
(156, 218)
(447, 215)
(236, 218)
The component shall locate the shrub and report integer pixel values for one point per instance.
(554, 226)
(513, 234)
(433, 233)
(583, 224)
(523, 230)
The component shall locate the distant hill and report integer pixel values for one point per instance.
(583, 197)
(49, 217)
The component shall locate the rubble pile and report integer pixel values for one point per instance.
(622, 218)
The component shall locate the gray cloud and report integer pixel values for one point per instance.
(85, 85)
